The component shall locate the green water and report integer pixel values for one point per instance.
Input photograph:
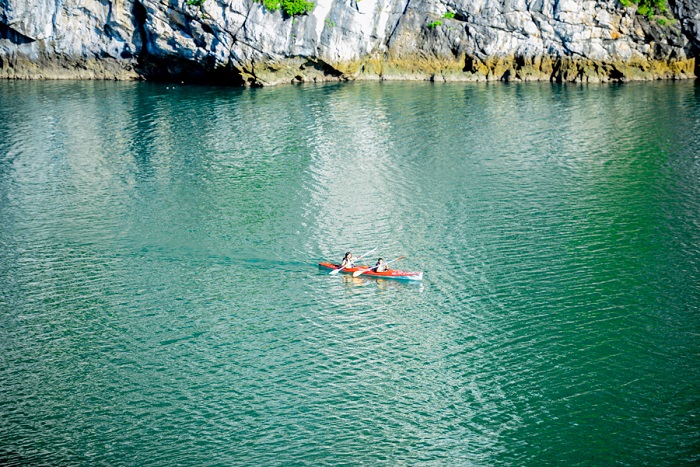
(160, 301)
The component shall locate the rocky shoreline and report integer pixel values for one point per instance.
(241, 42)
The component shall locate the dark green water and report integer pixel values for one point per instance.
(160, 302)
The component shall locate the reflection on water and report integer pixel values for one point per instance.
(160, 297)
(379, 283)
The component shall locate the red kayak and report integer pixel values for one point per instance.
(390, 274)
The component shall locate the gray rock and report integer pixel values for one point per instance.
(688, 13)
(241, 42)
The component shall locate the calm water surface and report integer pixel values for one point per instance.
(160, 302)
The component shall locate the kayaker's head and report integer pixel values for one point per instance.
(380, 261)
(348, 254)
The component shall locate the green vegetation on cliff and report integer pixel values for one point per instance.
(289, 7)
(650, 9)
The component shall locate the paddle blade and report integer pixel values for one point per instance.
(359, 272)
(334, 272)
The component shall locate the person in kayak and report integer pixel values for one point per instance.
(380, 266)
(348, 261)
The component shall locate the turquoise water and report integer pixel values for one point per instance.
(160, 301)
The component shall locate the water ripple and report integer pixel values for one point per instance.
(160, 301)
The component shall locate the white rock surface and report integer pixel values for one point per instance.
(240, 41)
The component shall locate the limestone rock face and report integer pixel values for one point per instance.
(72, 39)
(688, 12)
(241, 42)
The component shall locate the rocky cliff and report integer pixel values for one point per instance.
(242, 42)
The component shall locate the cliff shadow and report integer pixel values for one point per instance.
(13, 36)
(178, 69)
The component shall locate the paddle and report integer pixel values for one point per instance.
(336, 271)
(359, 272)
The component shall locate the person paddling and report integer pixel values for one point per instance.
(380, 266)
(348, 261)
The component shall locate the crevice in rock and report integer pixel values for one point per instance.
(138, 12)
(322, 67)
(470, 64)
(398, 21)
(253, 82)
(616, 75)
